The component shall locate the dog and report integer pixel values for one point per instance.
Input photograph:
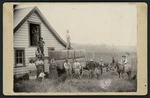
(40, 77)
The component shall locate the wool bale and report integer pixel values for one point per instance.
(63, 55)
(60, 64)
(78, 53)
(55, 55)
(82, 52)
(71, 54)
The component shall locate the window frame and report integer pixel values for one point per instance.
(23, 64)
(36, 23)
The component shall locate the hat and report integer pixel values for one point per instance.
(101, 60)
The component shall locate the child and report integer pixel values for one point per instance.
(32, 69)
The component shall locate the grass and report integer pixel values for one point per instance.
(81, 85)
(86, 85)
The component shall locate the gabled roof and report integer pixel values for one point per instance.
(21, 15)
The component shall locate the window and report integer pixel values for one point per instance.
(34, 34)
(19, 57)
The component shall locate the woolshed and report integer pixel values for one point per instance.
(25, 20)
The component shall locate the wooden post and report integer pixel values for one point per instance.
(67, 54)
(74, 55)
(67, 45)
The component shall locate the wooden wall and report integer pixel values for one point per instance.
(21, 39)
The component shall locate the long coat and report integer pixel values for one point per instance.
(53, 74)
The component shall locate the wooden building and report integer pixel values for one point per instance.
(26, 20)
(29, 26)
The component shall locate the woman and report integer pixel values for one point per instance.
(32, 69)
(53, 69)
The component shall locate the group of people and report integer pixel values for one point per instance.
(40, 49)
(36, 67)
(75, 68)
(100, 68)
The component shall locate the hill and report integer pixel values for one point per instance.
(104, 48)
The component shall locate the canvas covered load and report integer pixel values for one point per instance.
(63, 54)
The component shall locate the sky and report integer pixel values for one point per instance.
(93, 23)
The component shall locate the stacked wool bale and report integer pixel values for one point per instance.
(61, 55)
(70, 54)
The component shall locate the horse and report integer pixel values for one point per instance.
(121, 69)
(90, 69)
(112, 66)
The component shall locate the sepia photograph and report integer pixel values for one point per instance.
(75, 47)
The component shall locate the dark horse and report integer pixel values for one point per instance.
(91, 65)
(121, 69)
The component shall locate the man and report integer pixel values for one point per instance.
(113, 60)
(124, 61)
(40, 65)
(41, 44)
(77, 68)
(68, 40)
(102, 65)
(68, 69)
(35, 32)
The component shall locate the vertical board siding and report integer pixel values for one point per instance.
(21, 39)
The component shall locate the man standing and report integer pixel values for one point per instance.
(77, 68)
(68, 40)
(124, 61)
(102, 65)
(40, 66)
(41, 44)
(68, 69)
